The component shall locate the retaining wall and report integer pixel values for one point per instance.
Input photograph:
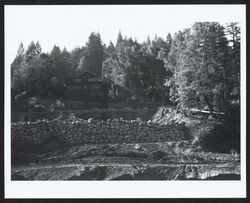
(78, 132)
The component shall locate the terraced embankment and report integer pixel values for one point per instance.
(116, 150)
(153, 161)
(79, 131)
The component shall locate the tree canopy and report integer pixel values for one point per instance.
(93, 57)
(198, 67)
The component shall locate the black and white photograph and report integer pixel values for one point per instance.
(125, 95)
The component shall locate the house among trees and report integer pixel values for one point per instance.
(87, 87)
(198, 68)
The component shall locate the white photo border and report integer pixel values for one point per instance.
(133, 189)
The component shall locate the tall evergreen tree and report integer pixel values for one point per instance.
(16, 65)
(119, 39)
(20, 51)
(38, 48)
(31, 52)
(76, 55)
(61, 64)
(93, 56)
(233, 33)
(199, 67)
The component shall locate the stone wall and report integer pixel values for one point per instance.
(90, 131)
(96, 113)
(126, 113)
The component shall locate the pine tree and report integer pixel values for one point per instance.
(233, 33)
(20, 51)
(169, 42)
(31, 52)
(16, 65)
(76, 55)
(94, 55)
(119, 39)
(200, 67)
(38, 48)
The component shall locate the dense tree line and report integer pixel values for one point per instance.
(206, 66)
(197, 67)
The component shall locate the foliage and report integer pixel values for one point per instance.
(232, 31)
(199, 67)
(136, 67)
(93, 56)
(15, 71)
(199, 60)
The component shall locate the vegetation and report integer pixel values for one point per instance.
(204, 67)
(198, 67)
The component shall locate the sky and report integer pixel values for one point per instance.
(70, 26)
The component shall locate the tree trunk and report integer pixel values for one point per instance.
(210, 105)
